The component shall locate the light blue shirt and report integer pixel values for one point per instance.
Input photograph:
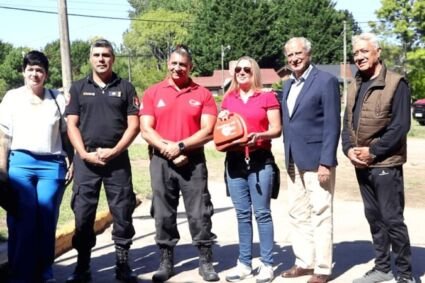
(296, 88)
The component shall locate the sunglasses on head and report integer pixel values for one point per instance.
(245, 69)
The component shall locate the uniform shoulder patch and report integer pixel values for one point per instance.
(136, 102)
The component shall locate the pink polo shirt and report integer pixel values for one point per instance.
(254, 111)
(177, 113)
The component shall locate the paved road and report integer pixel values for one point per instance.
(353, 254)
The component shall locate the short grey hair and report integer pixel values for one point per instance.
(366, 36)
(305, 42)
(102, 43)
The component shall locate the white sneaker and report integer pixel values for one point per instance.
(265, 273)
(240, 272)
(375, 276)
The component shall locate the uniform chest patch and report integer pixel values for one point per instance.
(114, 93)
(88, 93)
(160, 103)
(194, 102)
(136, 102)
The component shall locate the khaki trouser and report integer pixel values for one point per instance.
(310, 212)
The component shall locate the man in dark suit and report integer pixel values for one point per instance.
(311, 128)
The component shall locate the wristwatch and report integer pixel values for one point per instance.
(181, 146)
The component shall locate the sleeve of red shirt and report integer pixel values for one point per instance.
(271, 101)
(146, 107)
(210, 107)
(224, 103)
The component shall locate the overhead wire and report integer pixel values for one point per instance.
(96, 16)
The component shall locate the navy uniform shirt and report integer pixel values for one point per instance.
(102, 111)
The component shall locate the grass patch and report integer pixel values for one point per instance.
(416, 130)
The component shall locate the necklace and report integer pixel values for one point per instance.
(34, 98)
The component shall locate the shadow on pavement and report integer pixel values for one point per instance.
(145, 260)
(349, 254)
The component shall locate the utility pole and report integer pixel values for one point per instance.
(223, 49)
(344, 72)
(64, 47)
(129, 65)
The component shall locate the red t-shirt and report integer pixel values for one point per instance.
(177, 113)
(254, 111)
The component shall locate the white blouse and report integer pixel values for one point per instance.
(31, 122)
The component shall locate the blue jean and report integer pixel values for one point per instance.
(251, 190)
(38, 181)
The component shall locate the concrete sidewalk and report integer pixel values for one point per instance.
(353, 253)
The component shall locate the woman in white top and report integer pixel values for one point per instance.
(30, 119)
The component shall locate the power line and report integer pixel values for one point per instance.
(97, 17)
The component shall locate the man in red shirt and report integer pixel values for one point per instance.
(177, 118)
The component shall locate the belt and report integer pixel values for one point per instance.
(91, 149)
(195, 153)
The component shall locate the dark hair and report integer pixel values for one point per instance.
(35, 57)
(183, 50)
(102, 43)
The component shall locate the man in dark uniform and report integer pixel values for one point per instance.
(177, 119)
(102, 123)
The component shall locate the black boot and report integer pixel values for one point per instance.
(82, 273)
(123, 272)
(206, 268)
(166, 266)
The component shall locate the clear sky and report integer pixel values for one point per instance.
(35, 30)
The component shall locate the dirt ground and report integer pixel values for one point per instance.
(346, 183)
(414, 175)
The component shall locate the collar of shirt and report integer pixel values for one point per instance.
(192, 86)
(303, 77)
(114, 79)
(237, 94)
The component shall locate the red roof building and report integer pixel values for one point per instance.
(214, 83)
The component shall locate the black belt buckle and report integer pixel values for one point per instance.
(91, 149)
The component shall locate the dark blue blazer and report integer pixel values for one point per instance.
(311, 134)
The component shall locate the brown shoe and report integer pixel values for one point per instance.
(319, 278)
(296, 271)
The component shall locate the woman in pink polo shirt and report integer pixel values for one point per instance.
(250, 183)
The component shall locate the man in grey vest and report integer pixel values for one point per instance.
(376, 122)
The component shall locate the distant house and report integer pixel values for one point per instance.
(338, 71)
(219, 79)
(269, 76)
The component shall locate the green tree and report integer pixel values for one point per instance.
(5, 49)
(80, 53)
(143, 6)
(392, 54)
(404, 20)
(11, 70)
(52, 51)
(416, 75)
(149, 41)
(260, 28)
(320, 22)
(244, 25)
(145, 73)
(79, 59)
